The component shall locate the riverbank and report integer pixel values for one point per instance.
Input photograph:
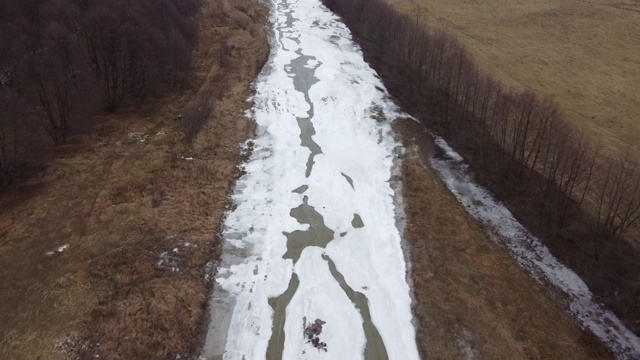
(472, 298)
(104, 254)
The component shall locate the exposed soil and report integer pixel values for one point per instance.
(140, 218)
(473, 301)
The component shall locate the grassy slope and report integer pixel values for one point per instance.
(119, 203)
(584, 54)
(473, 301)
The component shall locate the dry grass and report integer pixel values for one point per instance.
(473, 301)
(584, 54)
(120, 203)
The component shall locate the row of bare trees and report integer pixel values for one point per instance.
(62, 61)
(558, 180)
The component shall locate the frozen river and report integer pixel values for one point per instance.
(312, 264)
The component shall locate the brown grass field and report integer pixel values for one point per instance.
(119, 203)
(473, 300)
(584, 54)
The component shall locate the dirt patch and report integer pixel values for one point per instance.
(139, 208)
(312, 332)
(473, 301)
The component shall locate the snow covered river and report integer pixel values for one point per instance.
(312, 264)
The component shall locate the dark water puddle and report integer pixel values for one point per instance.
(279, 305)
(301, 189)
(303, 79)
(318, 234)
(349, 180)
(306, 140)
(374, 348)
(357, 221)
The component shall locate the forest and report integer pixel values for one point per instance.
(581, 198)
(64, 61)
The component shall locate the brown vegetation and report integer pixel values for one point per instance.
(139, 206)
(582, 53)
(583, 201)
(61, 61)
(473, 301)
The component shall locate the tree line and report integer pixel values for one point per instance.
(62, 61)
(583, 200)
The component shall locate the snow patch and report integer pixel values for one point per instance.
(138, 136)
(58, 250)
(533, 255)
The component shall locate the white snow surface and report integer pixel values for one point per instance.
(347, 98)
(533, 255)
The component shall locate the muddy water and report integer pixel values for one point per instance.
(302, 69)
(357, 221)
(317, 235)
(279, 304)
